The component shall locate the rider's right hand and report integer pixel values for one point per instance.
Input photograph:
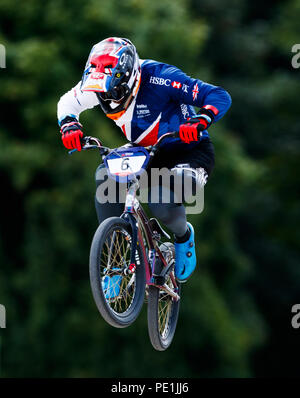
(71, 134)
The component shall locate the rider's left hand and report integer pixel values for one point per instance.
(192, 130)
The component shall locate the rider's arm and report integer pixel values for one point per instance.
(69, 108)
(75, 101)
(213, 102)
(195, 92)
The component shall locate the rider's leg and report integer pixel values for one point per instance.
(166, 201)
(173, 215)
(201, 156)
(108, 201)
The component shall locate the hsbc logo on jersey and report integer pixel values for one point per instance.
(168, 82)
(176, 84)
(160, 81)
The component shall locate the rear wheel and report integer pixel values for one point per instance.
(119, 295)
(163, 309)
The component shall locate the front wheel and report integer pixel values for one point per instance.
(163, 309)
(118, 294)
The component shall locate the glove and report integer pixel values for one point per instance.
(71, 133)
(192, 131)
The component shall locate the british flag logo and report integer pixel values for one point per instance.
(176, 84)
(195, 92)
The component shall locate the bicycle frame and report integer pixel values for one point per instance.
(140, 224)
(141, 228)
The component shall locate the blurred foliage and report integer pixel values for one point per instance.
(235, 311)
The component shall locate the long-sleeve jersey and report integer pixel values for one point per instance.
(165, 99)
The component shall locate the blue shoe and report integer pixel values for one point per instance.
(111, 285)
(185, 257)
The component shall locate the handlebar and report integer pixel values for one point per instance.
(89, 142)
(86, 144)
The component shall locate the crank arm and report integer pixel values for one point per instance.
(168, 290)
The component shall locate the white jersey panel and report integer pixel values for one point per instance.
(75, 101)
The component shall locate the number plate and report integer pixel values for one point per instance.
(126, 165)
(121, 164)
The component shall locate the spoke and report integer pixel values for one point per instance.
(164, 318)
(116, 254)
(164, 311)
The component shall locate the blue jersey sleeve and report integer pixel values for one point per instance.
(195, 92)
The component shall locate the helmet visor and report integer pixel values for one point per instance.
(103, 57)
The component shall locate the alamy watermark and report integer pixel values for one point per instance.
(296, 318)
(296, 57)
(2, 56)
(2, 317)
(178, 185)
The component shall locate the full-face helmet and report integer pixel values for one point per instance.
(113, 72)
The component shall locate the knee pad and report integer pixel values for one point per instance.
(191, 179)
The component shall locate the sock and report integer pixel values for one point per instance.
(183, 238)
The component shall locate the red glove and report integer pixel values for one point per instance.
(71, 134)
(192, 130)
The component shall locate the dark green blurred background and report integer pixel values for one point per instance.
(235, 318)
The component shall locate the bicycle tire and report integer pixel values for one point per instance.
(118, 320)
(159, 341)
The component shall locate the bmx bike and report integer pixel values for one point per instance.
(129, 262)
